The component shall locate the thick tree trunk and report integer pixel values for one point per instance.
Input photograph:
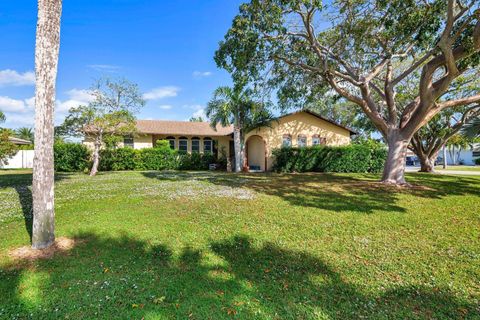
(427, 164)
(96, 156)
(46, 63)
(394, 169)
(237, 147)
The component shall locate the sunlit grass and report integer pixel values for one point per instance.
(163, 245)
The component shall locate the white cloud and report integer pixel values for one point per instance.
(13, 78)
(20, 120)
(194, 106)
(201, 74)
(80, 94)
(165, 107)
(104, 67)
(8, 104)
(200, 113)
(161, 92)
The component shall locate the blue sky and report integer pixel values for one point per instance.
(166, 47)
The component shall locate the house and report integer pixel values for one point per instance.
(23, 159)
(298, 129)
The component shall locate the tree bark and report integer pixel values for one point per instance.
(427, 164)
(394, 169)
(445, 164)
(237, 147)
(96, 155)
(46, 64)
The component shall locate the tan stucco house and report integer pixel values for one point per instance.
(302, 128)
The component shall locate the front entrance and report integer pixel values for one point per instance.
(256, 159)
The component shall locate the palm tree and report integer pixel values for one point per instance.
(472, 129)
(235, 106)
(25, 133)
(2, 116)
(46, 64)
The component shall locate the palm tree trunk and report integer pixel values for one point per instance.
(46, 63)
(237, 147)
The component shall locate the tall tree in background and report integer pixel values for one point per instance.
(472, 129)
(46, 62)
(110, 114)
(235, 106)
(25, 133)
(435, 135)
(2, 116)
(365, 54)
(7, 148)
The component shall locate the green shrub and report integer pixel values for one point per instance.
(162, 157)
(71, 157)
(159, 158)
(477, 161)
(118, 159)
(351, 158)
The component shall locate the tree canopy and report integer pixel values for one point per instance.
(364, 50)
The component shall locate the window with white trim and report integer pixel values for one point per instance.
(196, 144)
(183, 144)
(128, 141)
(287, 140)
(207, 145)
(171, 140)
(301, 141)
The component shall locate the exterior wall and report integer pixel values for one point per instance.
(299, 124)
(23, 159)
(256, 152)
(465, 157)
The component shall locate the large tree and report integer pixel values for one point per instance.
(46, 62)
(110, 114)
(364, 50)
(435, 135)
(2, 116)
(235, 106)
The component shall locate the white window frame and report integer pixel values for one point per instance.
(180, 140)
(286, 141)
(300, 138)
(192, 140)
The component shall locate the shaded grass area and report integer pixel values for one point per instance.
(168, 245)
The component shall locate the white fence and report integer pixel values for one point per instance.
(22, 160)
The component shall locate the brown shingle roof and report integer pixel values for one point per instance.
(186, 128)
(19, 141)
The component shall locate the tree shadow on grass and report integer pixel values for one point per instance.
(126, 278)
(22, 184)
(360, 193)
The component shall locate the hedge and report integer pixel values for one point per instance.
(359, 158)
(153, 159)
(71, 157)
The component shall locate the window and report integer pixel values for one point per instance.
(302, 141)
(183, 144)
(476, 154)
(207, 145)
(316, 140)
(128, 141)
(195, 144)
(287, 140)
(171, 140)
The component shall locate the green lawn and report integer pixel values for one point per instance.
(459, 168)
(159, 245)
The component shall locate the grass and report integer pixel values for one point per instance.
(459, 168)
(159, 245)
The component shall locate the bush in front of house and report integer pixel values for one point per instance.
(361, 158)
(477, 161)
(162, 157)
(71, 157)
